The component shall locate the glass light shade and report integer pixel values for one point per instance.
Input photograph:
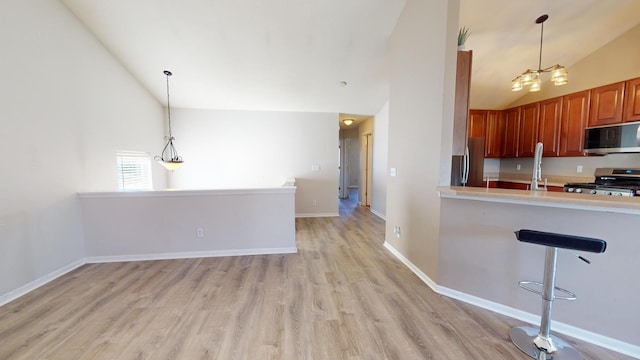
(536, 84)
(347, 121)
(171, 165)
(558, 71)
(560, 81)
(527, 77)
(516, 84)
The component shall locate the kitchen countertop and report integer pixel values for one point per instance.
(626, 205)
(525, 178)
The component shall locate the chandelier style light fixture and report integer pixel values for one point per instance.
(169, 157)
(531, 78)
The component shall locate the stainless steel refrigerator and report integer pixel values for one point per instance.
(468, 169)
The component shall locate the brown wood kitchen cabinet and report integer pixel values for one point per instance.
(528, 136)
(511, 132)
(494, 130)
(477, 121)
(488, 125)
(549, 126)
(461, 106)
(632, 101)
(575, 115)
(606, 104)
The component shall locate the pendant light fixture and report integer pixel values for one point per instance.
(531, 78)
(169, 157)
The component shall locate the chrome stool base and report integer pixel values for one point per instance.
(523, 336)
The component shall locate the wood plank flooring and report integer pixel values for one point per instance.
(343, 296)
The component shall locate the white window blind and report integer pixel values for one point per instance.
(134, 170)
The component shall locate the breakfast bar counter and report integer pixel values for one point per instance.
(481, 262)
(616, 204)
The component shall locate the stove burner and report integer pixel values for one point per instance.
(609, 181)
(601, 189)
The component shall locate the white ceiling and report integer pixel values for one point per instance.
(252, 54)
(293, 54)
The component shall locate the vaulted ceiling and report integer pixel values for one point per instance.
(296, 54)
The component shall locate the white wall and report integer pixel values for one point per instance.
(158, 225)
(423, 49)
(248, 149)
(380, 161)
(67, 106)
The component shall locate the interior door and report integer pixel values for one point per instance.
(343, 191)
(367, 168)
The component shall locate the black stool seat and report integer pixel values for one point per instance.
(572, 242)
(544, 345)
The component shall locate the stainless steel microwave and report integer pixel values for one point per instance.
(612, 139)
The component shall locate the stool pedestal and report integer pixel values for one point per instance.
(539, 343)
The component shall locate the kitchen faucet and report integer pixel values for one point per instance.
(537, 169)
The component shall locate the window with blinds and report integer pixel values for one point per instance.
(134, 170)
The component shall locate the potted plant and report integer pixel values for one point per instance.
(463, 35)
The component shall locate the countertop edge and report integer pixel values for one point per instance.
(542, 198)
(176, 192)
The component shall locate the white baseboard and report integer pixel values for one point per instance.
(378, 214)
(189, 255)
(23, 290)
(310, 215)
(559, 327)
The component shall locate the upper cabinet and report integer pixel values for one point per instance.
(511, 132)
(494, 131)
(606, 105)
(575, 115)
(632, 101)
(528, 136)
(559, 123)
(487, 124)
(477, 123)
(549, 126)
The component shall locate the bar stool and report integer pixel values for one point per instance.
(539, 343)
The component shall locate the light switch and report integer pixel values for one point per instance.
(393, 172)
(315, 167)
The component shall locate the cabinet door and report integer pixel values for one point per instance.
(575, 114)
(461, 107)
(632, 101)
(495, 133)
(511, 127)
(606, 104)
(549, 126)
(477, 120)
(528, 130)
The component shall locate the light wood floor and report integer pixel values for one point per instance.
(343, 296)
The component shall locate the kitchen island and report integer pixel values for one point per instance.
(481, 262)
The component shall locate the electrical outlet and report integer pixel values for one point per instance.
(396, 230)
(314, 203)
(579, 168)
(200, 232)
(518, 167)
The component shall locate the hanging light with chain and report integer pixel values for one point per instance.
(169, 157)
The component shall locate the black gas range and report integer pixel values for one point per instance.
(609, 181)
